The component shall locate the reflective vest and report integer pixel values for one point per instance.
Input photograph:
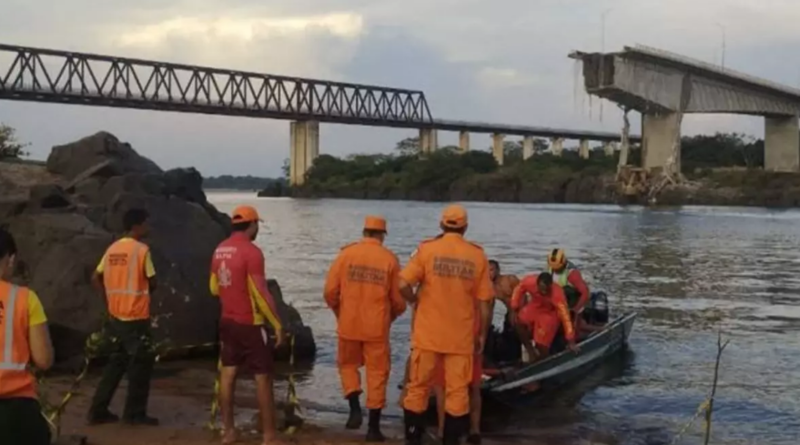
(15, 379)
(127, 287)
(562, 278)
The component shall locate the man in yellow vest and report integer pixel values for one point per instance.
(127, 278)
(24, 338)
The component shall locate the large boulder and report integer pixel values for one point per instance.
(63, 229)
(72, 159)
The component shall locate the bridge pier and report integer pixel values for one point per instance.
(527, 147)
(659, 135)
(609, 148)
(782, 143)
(463, 141)
(428, 140)
(497, 147)
(304, 140)
(557, 146)
(583, 149)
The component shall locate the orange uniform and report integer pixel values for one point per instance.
(126, 268)
(362, 289)
(542, 313)
(453, 275)
(20, 309)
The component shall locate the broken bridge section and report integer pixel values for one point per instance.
(664, 86)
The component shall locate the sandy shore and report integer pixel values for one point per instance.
(180, 398)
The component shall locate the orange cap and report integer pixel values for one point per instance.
(377, 223)
(454, 216)
(244, 214)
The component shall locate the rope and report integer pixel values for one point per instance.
(702, 408)
(212, 421)
(292, 419)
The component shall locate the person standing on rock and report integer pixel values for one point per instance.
(453, 275)
(238, 279)
(362, 289)
(26, 339)
(127, 277)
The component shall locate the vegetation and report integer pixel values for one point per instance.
(228, 182)
(448, 174)
(10, 146)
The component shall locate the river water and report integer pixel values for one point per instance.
(689, 273)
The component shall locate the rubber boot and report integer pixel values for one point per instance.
(454, 429)
(374, 427)
(355, 419)
(414, 427)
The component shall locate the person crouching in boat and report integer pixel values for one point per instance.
(566, 275)
(537, 320)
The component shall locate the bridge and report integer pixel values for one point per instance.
(663, 86)
(63, 77)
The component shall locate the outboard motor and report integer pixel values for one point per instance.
(596, 312)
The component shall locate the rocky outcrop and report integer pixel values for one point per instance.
(63, 228)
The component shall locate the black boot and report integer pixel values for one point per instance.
(374, 426)
(454, 429)
(414, 427)
(355, 419)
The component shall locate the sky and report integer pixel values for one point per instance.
(502, 61)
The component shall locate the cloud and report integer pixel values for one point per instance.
(502, 61)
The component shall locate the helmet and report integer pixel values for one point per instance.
(557, 259)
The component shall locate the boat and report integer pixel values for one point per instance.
(512, 381)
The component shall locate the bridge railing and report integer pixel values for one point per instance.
(43, 75)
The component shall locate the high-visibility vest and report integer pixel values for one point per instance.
(127, 287)
(562, 278)
(15, 379)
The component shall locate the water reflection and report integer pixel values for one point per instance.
(689, 273)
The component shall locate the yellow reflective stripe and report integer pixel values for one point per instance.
(130, 289)
(8, 364)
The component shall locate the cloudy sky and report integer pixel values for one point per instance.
(500, 61)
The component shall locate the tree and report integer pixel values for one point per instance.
(285, 168)
(10, 147)
(540, 145)
(408, 146)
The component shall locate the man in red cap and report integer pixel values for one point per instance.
(362, 289)
(237, 277)
(454, 290)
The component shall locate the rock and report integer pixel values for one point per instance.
(62, 234)
(71, 160)
(304, 346)
(49, 196)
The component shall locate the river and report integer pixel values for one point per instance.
(689, 273)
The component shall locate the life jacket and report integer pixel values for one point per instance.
(127, 287)
(15, 379)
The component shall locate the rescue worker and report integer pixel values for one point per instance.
(362, 289)
(238, 279)
(26, 339)
(453, 274)
(566, 275)
(127, 277)
(539, 318)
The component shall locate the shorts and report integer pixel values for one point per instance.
(246, 346)
(543, 325)
(22, 422)
(477, 372)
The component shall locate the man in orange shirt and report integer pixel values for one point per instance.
(26, 340)
(127, 277)
(566, 275)
(238, 279)
(362, 289)
(539, 318)
(453, 274)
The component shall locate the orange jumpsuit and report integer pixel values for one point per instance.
(542, 313)
(362, 289)
(452, 274)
